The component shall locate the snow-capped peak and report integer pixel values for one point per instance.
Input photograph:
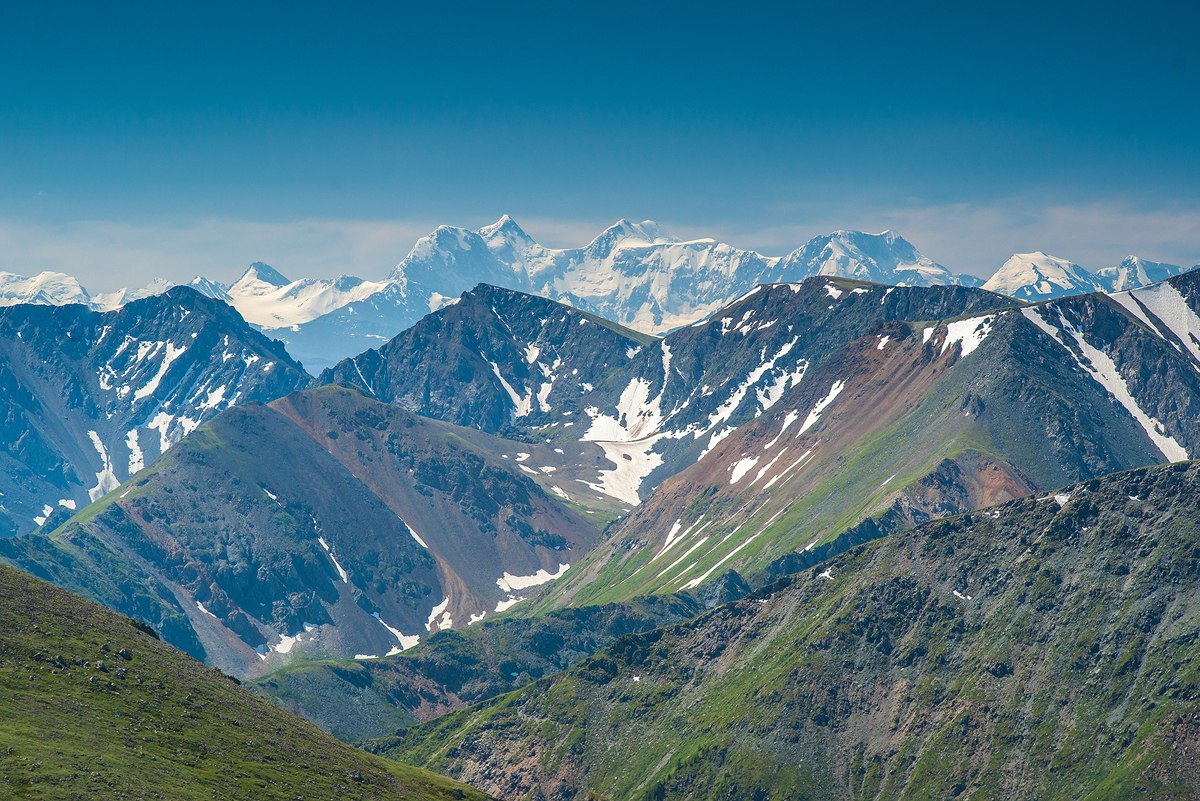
(506, 233)
(260, 273)
(48, 288)
(506, 227)
(1134, 271)
(1040, 276)
(209, 288)
(886, 257)
(271, 306)
(626, 233)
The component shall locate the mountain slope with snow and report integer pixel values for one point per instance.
(640, 276)
(48, 288)
(89, 398)
(1133, 272)
(885, 258)
(920, 420)
(643, 408)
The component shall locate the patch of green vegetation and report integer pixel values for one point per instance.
(94, 706)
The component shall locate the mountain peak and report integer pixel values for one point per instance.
(625, 231)
(506, 228)
(260, 271)
(1134, 271)
(46, 287)
(886, 258)
(1037, 275)
(209, 288)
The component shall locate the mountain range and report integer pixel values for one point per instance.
(913, 421)
(366, 529)
(634, 274)
(509, 454)
(828, 538)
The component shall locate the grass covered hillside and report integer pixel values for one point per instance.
(94, 707)
(1047, 648)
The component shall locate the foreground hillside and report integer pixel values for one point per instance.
(91, 706)
(1046, 648)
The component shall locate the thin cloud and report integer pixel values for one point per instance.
(107, 255)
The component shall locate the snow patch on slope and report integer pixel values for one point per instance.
(820, 406)
(106, 479)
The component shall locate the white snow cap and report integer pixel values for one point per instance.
(1040, 276)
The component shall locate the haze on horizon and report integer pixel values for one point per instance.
(150, 141)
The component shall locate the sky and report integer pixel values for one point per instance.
(148, 139)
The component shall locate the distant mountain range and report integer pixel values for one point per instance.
(634, 274)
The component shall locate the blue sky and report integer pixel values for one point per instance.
(144, 139)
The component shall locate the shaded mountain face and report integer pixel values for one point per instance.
(637, 409)
(365, 699)
(87, 399)
(1055, 636)
(917, 421)
(496, 360)
(82, 686)
(326, 524)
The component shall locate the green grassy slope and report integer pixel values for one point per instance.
(1048, 648)
(91, 707)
